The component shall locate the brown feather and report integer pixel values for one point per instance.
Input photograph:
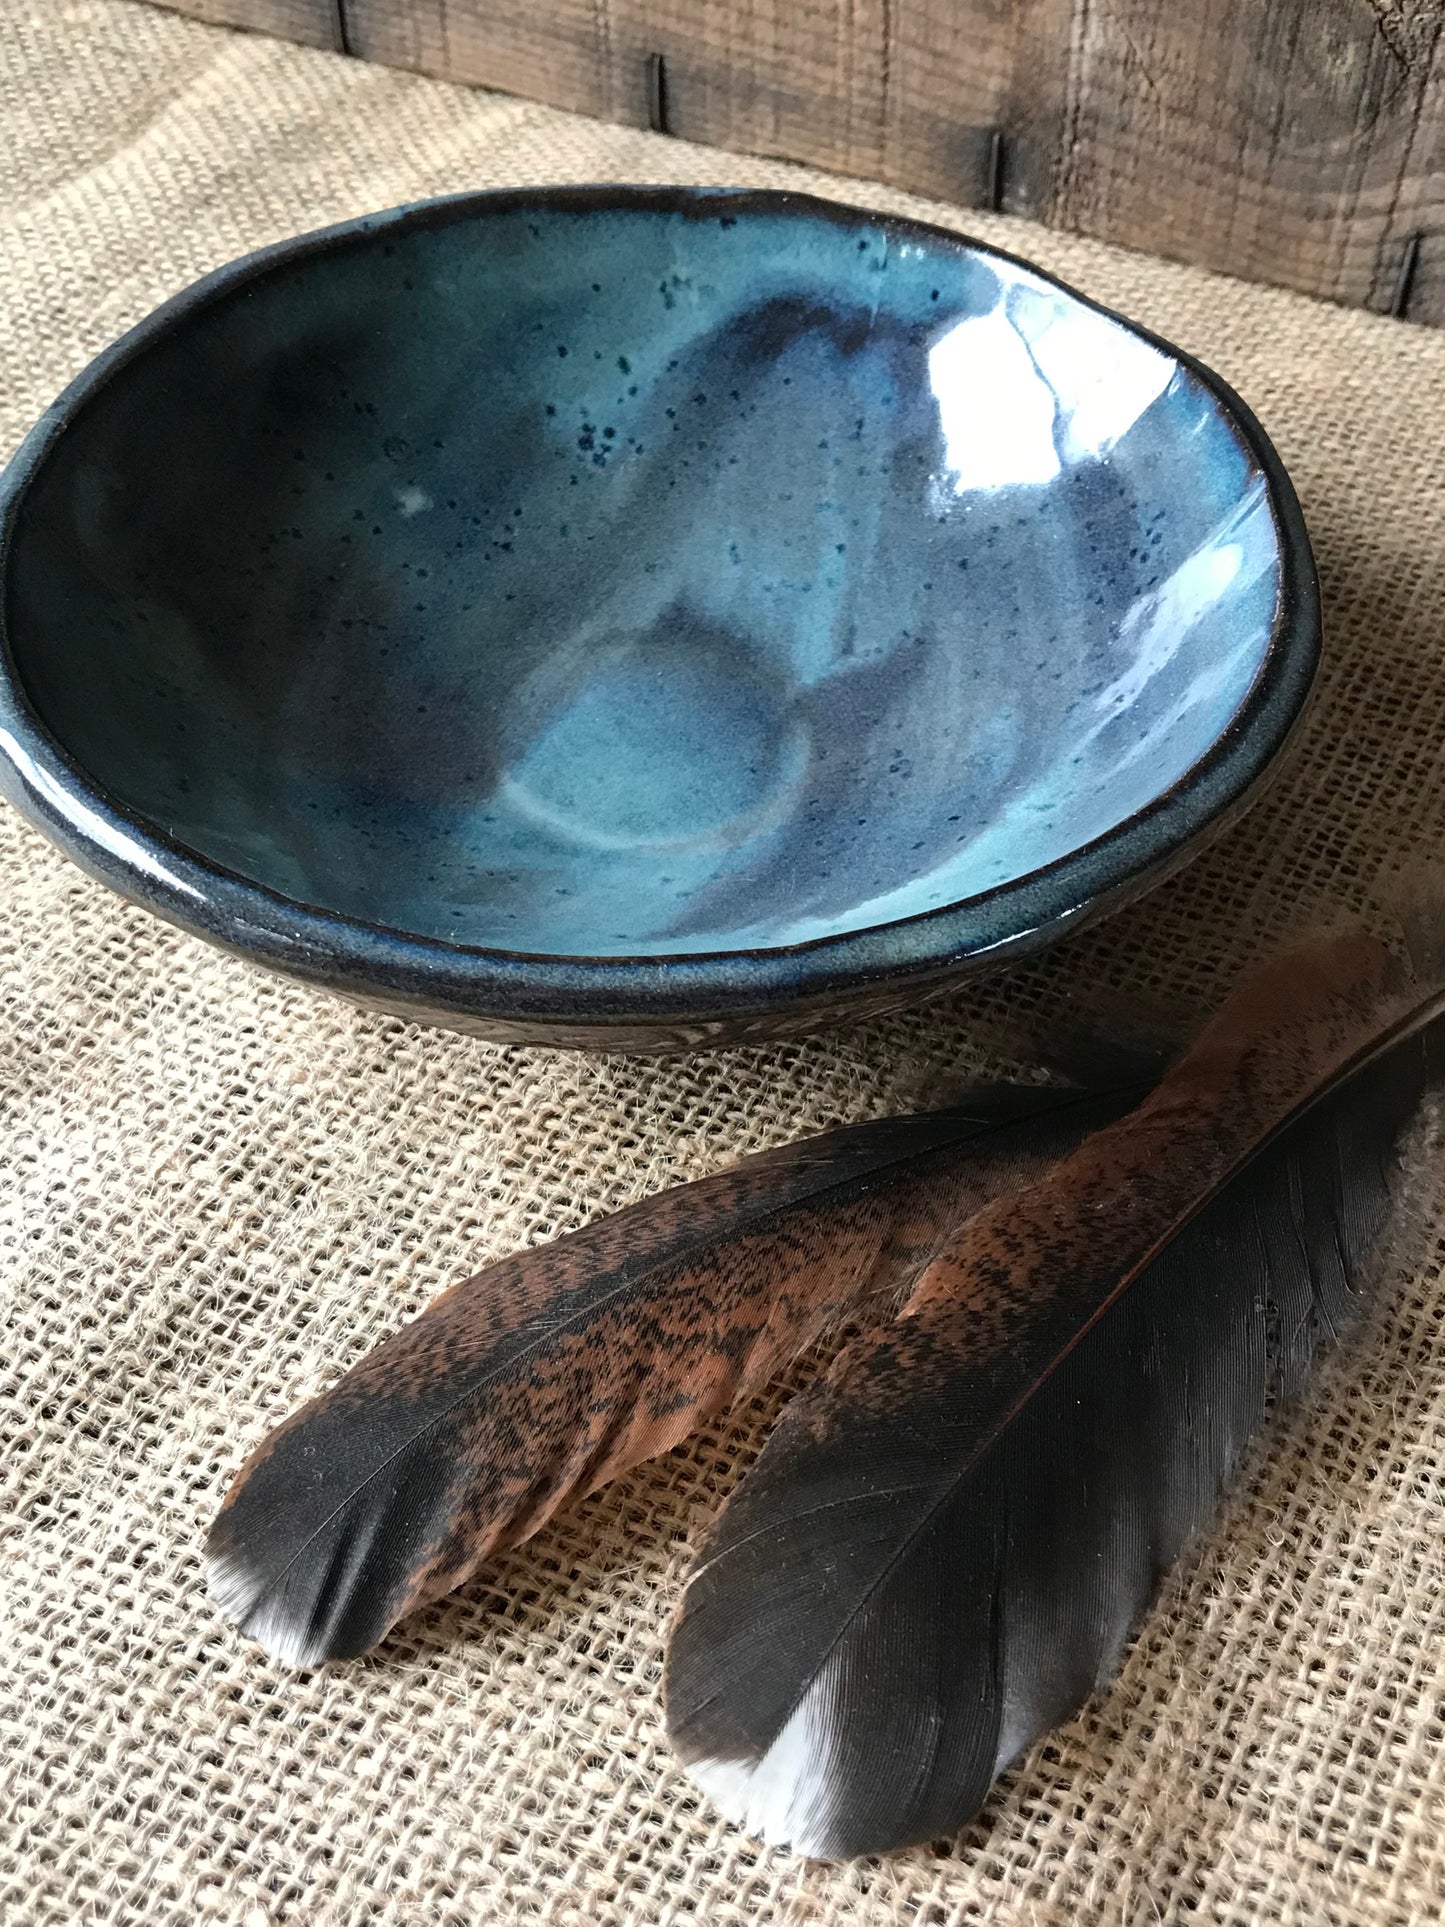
(944, 1546)
(1294, 1024)
(547, 1374)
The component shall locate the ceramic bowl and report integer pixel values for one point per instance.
(640, 617)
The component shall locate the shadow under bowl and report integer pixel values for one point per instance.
(642, 617)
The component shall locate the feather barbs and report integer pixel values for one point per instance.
(1068, 1312)
(554, 1370)
(1064, 1395)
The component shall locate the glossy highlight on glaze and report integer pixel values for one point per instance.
(610, 575)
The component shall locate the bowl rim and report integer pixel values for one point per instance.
(139, 859)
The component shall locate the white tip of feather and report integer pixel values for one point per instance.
(261, 1616)
(784, 1797)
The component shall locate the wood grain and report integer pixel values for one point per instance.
(314, 23)
(1300, 142)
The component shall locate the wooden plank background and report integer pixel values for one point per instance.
(315, 23)
(1295, 141)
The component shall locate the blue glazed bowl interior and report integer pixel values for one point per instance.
(642, 582)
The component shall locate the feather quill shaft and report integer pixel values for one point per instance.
(946, 1546)
(551, 1372)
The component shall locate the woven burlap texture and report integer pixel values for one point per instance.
(217, 1190)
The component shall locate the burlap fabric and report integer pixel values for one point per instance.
(219, 1190)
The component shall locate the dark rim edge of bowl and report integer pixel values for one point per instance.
(137, 858)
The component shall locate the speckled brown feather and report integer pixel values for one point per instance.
(946, 1544)
(1294, 1024)
(551, 1372)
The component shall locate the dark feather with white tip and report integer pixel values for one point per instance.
(946, 1546)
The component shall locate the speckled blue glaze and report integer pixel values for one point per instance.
(473, 606)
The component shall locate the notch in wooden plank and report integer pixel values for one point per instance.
(993, 172)
(1405, 278)
(657, 94)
